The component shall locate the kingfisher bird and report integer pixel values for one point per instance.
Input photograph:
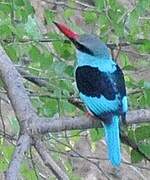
(101, 86)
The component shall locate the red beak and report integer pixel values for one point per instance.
(73, 36)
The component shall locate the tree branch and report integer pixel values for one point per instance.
(31, 124)
(41, 82)
(24, 111)
(14, 166)
(45, 40)
(46, 125)
(49, 162)
(25, 114)
(16, 91)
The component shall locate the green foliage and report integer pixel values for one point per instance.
(135, 156)
(142, 133)
(89, 17)
(56, 63)
(140, 136)
(68, 13)
(138, 25)
(49, 16)
(96, 134)
(14, 124)
(145, 148)
(28, 172)
(6, 152)
(32, 29)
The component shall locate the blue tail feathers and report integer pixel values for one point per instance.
(113, 141)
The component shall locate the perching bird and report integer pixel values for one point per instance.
(101, 86)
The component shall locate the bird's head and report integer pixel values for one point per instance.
(85, 43)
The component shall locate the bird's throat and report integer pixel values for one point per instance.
(103, 64)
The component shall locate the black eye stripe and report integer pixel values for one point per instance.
(82, 48)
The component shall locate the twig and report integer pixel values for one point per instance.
(49, 162)
(27, 40)
(110, 45)
(77, 156)
(96, 158)
(2, 120)
(34, 79)
(14, 166)
(83, 157)
(137, 166)
(64, 4)
(33, 164)
(117, 53)
(8, 137)
(84, 4)
(125, 139)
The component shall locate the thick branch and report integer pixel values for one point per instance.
(65, 123)
(14, 166)
(26, 116)
(15, 89)
(49, 162)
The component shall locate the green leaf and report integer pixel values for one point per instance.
(28, 172)
(19, 2)
(46, 60)
(67, 108)
(145, 45)
(28, 7)
(5, 8)
(32, 28)
(35, 53)
(49, 16)
(5, 155)
(131, 133)
(142, 132)
(65, 85)
(68, 13)
(70, 70)
(135, 156)
(99, 5)
(14, 124)
(96, 134)
(145, 148)
(59, 68)
(147, 84)
(145, 27)
(135, 27)
(64, 50)
(90, 17)
(11, 51)
(49, 107)
(147, 97)
(129, 67)
(22, 15)
(5, 31)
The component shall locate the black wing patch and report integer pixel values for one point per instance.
(92, 82)
(118, 78)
